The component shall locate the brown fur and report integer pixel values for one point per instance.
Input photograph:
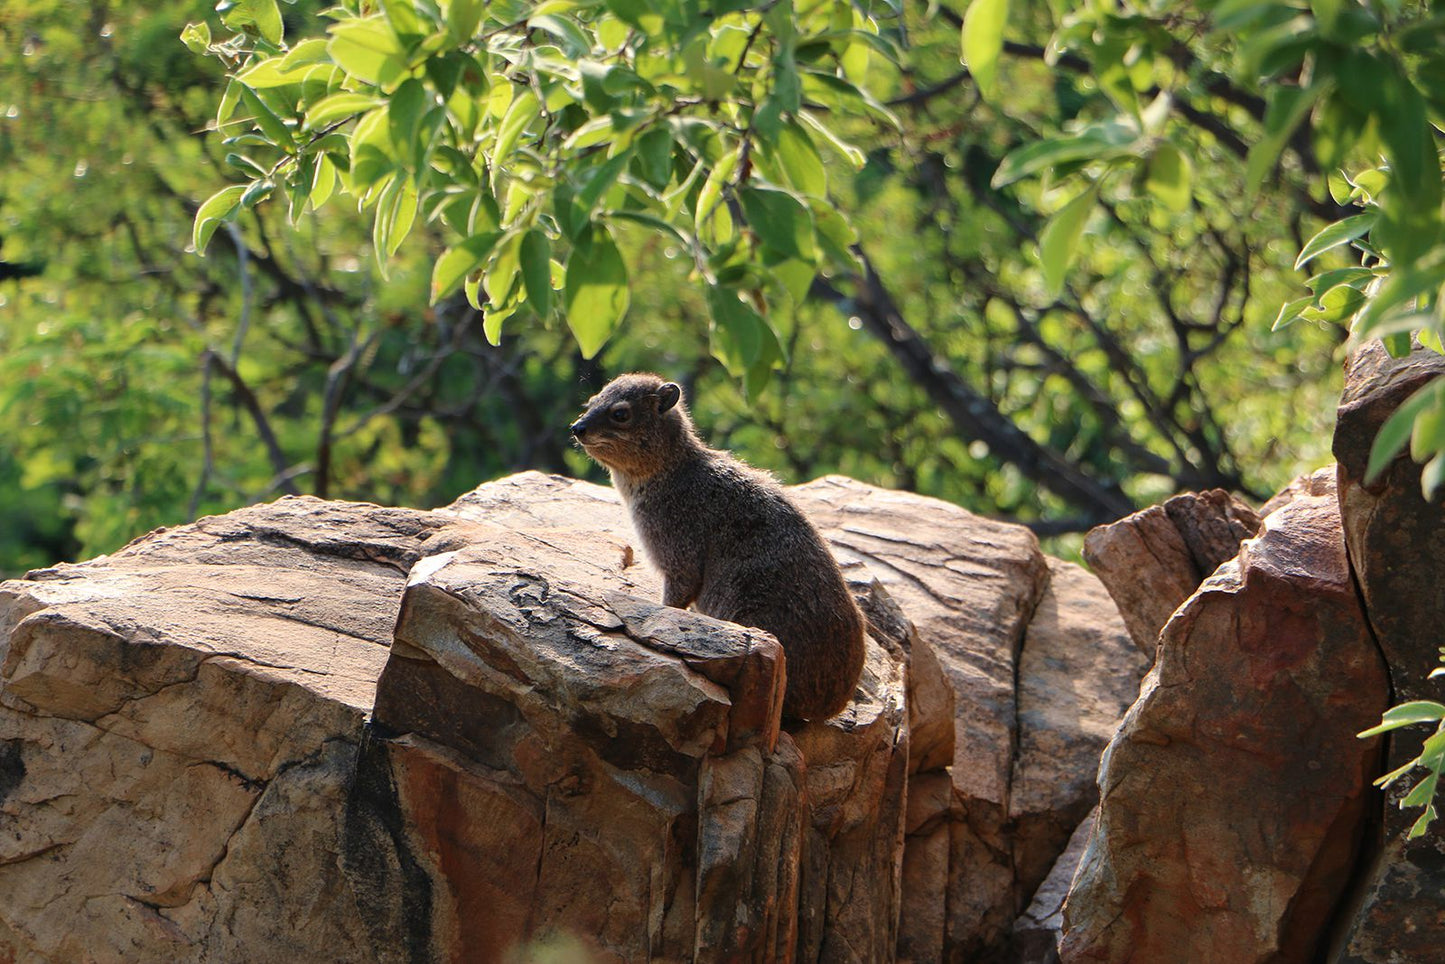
(727, 539)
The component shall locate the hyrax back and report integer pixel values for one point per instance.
(727, 539)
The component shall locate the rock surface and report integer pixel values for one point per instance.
(197, 761)
(535, 709)
(1154, 559)
(1038, 928)
(1076, 634)
(180, 723)
(1235, 793)
(1042, 668)
(1396, 542)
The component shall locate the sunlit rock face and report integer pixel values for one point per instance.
(319, 730)
(1396, 543)
(1234, 793)
(1237, 820)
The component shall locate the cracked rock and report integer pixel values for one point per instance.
(331, 731)
(1234, 792)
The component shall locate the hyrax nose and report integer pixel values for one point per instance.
(578, 429)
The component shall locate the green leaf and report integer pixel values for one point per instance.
(402, 16)
(272, 126)
(709, 197)
(746, 345)
(574, 41)
(492, 318)
(457, 262)
(524, 109)
(262, 15)
(1327, 14)
(463, 18)
(1423, 793)
(309, 51)
(1060, 237)
(654, 156)
(333, 108)
(271, 72)
(848, 152)
(1406, 714)
(782, 222)
(536, 261)
(503, 278)
(801, 163)
(1428, 434)
(1333, 235)
(595, 295)
(637, 13)
(1418, 828)
(1110, 55)
(1412, 204)
(403, 118)
(1432, 476)
(197, 36)
(1290, 312)
(371, 151)
(1287, 107)
(403, 217)
(323, 181)
(1327, 280)
(599, 180)
(983, 42)
(1102, 141)
(1169, 177)
(368, 50)
(1395, 774)
(1398, 345)
(845, 97)
(1405, 283)
(837, 236)
(395, 214)
(653, 222)
(217, 208)
(1337, 304)
(1396, 432)
(257, 192)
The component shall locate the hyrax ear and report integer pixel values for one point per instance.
(667, 396)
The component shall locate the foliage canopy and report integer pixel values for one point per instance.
(1033, 284)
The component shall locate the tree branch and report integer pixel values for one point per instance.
(973, 415)
(252, 404)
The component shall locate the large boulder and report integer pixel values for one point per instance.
(1042, 669)
(1396, 543)
(1235, 793)
(534, 706)
(180, 726)
(1153, 560)
(198, 763)
(1075, 634)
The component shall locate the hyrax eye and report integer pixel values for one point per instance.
(621, 413)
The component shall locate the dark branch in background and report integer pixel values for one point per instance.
(419, 381)
(1214, 83)
(1178, 412)
(338, 379)
(972, 414)
(1111, 421)
(208, 462)
(284, 471)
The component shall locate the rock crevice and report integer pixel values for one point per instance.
(324, 730)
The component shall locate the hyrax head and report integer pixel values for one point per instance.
(632, 422)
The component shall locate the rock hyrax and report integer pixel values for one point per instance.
(727, 539)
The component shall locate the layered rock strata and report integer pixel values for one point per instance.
(324, 730)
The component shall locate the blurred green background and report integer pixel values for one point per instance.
(141, 385)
